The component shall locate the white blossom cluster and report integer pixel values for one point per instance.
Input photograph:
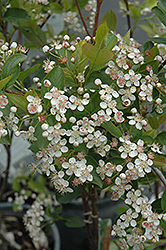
(144, 228)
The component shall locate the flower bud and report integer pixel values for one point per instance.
(13, 45)
(13, 109)
(17, 133)
(88, 39)
(46, 49)
(158, 101)
(47, 83)
(72, 48)
(44, 126)
(80, 90)
(66, 38)
(45, 134)
(72, 119)
(98, 82)
(72, 59)
(76, 144)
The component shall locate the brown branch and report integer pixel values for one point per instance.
(83, 21)
(128, 18)
(161, 66)
(14, 92)
(160, 175)
(95, 218)
(99, 2)
(85, 204)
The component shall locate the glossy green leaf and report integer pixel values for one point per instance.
(5, 140)
(161, 15)
(28, 72)
(134, 12)
(11, 67)
(159, 161)
(148, 4)
(110, 19)
(56, 77)
(163, 225)
(33, 33)
(111, 41)
(4, 82)
(74, 221)
(147, 46)
(16, 14)
(159, 40)
(156, 206)
(112, 129)
(36, 186)
(153, 121)
(19, 101)
(162, 5)
(101, 32)
(56, 8)
(97, 57)
(80, 59)
(68, 197)
(96, 179)
(163, 201)
(147, 138)
(161, 138)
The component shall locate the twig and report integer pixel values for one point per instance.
(161, 66)
(99, 2)
(128, 17)
(83, 21)
(14, 92)
(160, 175)
(159, 245)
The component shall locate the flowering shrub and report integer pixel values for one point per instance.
(95, 121)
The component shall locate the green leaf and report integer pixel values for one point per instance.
(153, 121)
(97, 57)
(162, 5)
(101, 32)
(36, 186)
(148, 29)
(80, 59)
(148, 4)
(96, 179)
(19, 101)
(110, 19)
(112, 129)
(158, 40)
(56, 8)
(68, 197)
(33, 33)
(5, 140)
(121, 209)
(111, 41)
(147, 138)
(134, 12)
(11, 67)
(16, 14)
(159, 161)
(4, 82)
(161, 138)
(147, 46)
(16, 185)
(163, 225)
(161, 14)
(74, 221)
(28, 72)
(156, 206)
(56, 77)
(163, 201)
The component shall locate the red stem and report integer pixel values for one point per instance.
(99, 2)
(83, 21)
